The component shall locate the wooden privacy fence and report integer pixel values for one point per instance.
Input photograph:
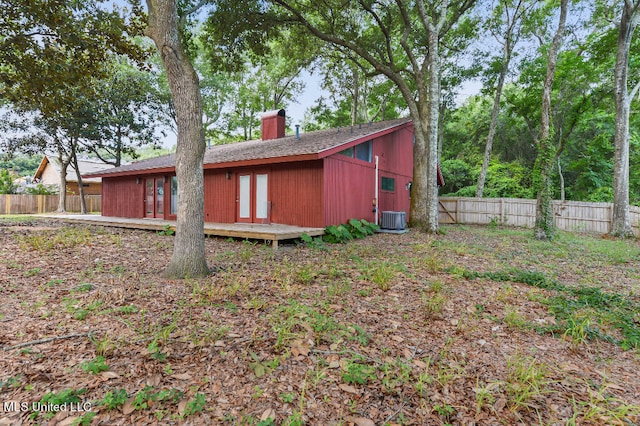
(569, 215)
(33, 204)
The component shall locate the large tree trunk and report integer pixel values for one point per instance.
(424, 192)
(62, 195)
(621, 220)
(83, 203)
(188, 259)
(494, 119)
(543, 167)
(433, 112)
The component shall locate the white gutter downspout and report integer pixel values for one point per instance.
(376, 192)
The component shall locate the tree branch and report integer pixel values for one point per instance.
(47, 340)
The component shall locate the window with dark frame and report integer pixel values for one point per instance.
(361, 151)
(388, 184)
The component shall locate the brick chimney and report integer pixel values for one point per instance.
(273, 124)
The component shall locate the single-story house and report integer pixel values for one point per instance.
(48, 174)
(313, 179)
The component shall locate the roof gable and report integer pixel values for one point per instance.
(88, 167)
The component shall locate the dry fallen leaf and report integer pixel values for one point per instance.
(348, 388)
(182, 406)
(269, 413)
(128, 408)
(360, 421)
(182, 376)
(109, 375)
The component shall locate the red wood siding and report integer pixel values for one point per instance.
(395, 152)
(350, 183)
(123, 197)
(219, 196)
(395, 160)
(295, 192)
(349, 189)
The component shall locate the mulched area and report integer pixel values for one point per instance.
(386, 330)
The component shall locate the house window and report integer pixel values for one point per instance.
(348, 152)
(361, 151)
(388, 184)
(174, 195)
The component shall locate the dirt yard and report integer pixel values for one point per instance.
(479, 326)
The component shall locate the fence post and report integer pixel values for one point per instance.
(7, 204)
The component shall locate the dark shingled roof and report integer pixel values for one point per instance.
(310, 144)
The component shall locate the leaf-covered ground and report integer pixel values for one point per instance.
(477, 326)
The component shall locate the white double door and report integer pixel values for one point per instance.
(253, 198)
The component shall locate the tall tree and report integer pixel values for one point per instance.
(128, 109)
(504, 26)
(544, 226)
(164, 28)
(402, 40)
(621, 222)
(47, 46)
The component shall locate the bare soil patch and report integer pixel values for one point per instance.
(476, 326)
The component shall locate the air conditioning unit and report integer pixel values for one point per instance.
(393, 220)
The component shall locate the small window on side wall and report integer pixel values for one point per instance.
(363, 151)
(348, 152)
(388, 184)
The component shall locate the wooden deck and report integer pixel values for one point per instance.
(269, 233)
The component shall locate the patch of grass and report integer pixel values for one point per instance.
(394, 375)
(147, 398)
(67, 237)
(380, 274)
(607, 310)
(514, 319)
(195, 405)
(355, 372)
(602, 407)
(526, 381)
(32, 272)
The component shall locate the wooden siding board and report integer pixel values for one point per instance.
(349, 190)
(123, 197)
(219, 196)
(295, 193)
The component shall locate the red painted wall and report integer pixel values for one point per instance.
(310, 193)
(295, 191)
(349, 189)
(122, 197)
(395, 159)
(350, 183)
(219, 196)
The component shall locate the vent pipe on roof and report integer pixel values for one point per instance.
(297, 131)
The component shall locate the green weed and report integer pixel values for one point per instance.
(114, 399)
(357, 373)
(195, 405)
(97, 365)
(68, 396)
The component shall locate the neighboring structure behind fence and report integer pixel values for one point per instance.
(32, 204)
(569, 215)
